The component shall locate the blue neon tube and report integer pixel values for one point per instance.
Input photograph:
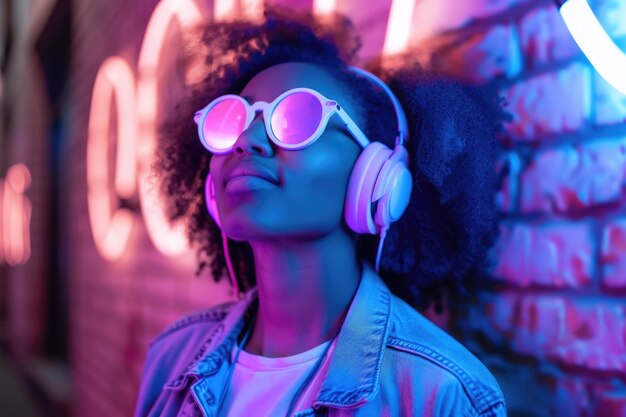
(598, 47)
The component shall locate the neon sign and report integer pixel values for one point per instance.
(169, 18)
(15, 214)
(398, 26)
(135, 116)
(111, 227)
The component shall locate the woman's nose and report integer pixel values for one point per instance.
(254, 139)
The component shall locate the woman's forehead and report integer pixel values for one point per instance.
(272, 82)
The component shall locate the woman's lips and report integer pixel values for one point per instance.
(254, 170)
(244, 183)
(247, 176)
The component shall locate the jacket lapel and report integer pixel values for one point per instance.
(353, 372)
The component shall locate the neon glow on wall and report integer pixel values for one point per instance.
(15, 214)
(110, 226)
(324, 6)
(252, 9)
(398, 26)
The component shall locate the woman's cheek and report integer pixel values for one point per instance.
(321, 181)
(328, 162)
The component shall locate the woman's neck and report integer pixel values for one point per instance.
(305, 288)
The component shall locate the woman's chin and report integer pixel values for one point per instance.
(270, 226)
(247, 231)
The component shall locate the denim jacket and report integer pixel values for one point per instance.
(388, 360)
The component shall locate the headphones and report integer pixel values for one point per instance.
(380, 178)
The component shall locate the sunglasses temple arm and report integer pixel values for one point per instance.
(197, 117)
(353, 128)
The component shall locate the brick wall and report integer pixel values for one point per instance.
(556, 313)
(24, 96)
(555, 328)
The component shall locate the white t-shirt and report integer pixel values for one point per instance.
(264, 387)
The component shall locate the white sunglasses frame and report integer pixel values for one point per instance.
(329, 107)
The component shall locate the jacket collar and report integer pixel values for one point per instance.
(353, 371)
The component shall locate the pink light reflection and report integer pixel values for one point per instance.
(111, 227)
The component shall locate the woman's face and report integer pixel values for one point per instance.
(308, 199)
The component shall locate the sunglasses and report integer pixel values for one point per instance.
(294, 120)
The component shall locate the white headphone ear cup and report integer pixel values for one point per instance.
(211, 204)
(357, 209)
(393, 188)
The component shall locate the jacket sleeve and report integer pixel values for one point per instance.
(168, 355)
(151, 383)
(454, 400)
(497, 410)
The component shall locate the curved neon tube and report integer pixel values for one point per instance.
(604, 55)
(398, 26)
(111, 228)
(169, 17)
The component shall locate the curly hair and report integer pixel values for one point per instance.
(440, 245)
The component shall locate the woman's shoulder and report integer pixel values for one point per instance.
(194, 321)
(173, 349)
(434, 352)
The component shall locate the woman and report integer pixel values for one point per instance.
(318, 330)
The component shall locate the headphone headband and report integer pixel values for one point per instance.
(403, 126)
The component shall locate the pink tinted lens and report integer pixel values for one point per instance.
(296, 118)
(224, 123)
